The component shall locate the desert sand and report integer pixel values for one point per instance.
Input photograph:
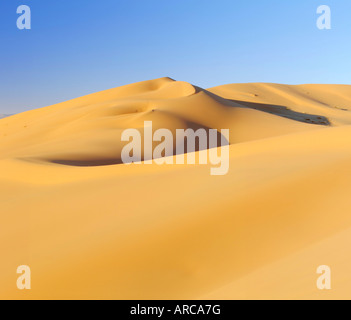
(91, 227)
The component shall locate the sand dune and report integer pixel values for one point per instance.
(91, 227)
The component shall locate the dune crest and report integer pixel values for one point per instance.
(91, 227)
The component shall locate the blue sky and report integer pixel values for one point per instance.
(83, 46)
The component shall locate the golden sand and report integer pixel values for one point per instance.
(94, 231)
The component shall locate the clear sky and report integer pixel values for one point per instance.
(77, 47)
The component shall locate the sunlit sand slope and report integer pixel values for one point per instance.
(91, 227)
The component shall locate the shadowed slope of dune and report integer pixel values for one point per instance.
(89, 230)
(331, 102)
